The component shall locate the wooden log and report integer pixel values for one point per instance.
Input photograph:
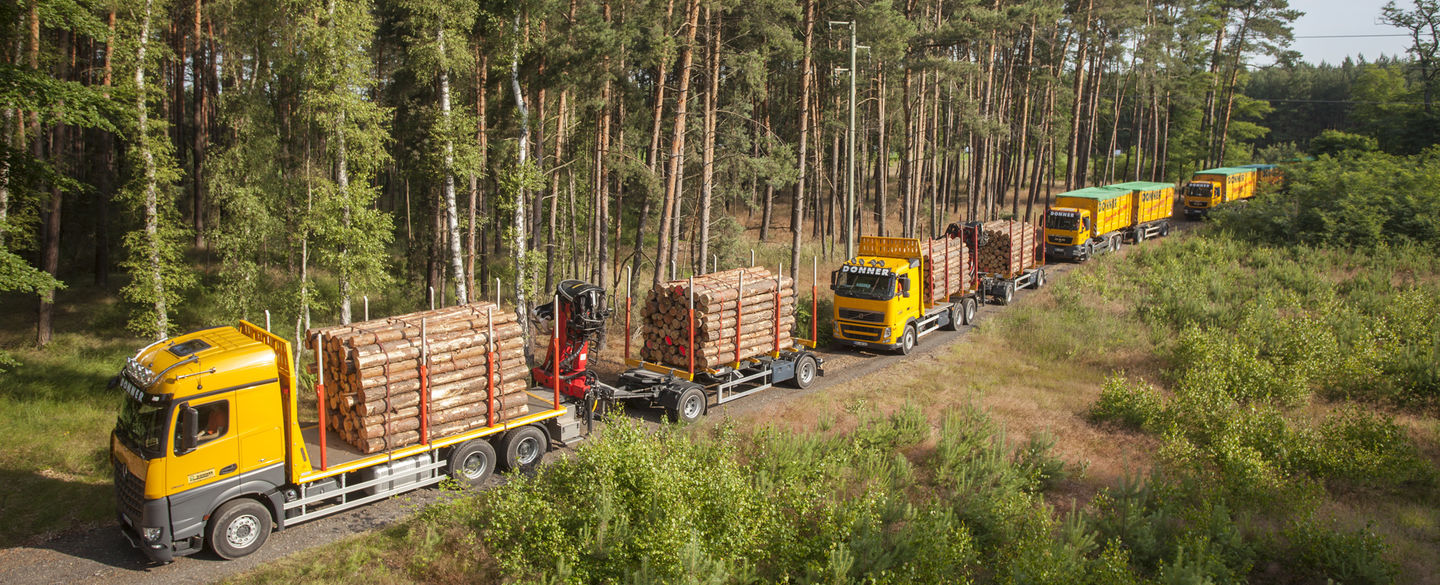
(407, 438)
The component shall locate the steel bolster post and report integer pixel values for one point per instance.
(739, 301)
(814, 299)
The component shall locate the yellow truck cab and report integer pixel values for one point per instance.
(209, 448)
(879, 302)
(1088, 221)
(1210, 188)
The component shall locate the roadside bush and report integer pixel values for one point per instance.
(1332, 554)
(1132, 405)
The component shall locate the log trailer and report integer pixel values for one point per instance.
(209, 451)
(1002, 286)
(1210, 188)
(878, 301)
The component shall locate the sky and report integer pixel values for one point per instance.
(1345, 17)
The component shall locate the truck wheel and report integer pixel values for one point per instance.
(1008, 294)
(1139, 234)
(523, 449)
(689, 407)
(1115, 243)
(967, 310)
(805, 369)
(907, 340)
(238, 527)
(1040, 278)
(953, 314)
(473, 462)
(1085, 252)
(1164, 229)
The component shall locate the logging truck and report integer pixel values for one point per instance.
(208, 448)
(1210, 188)
(897, 291)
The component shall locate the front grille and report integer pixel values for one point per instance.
(858, 332)
(1198, 203)
(130, 492)
(1060, 239)
(858, 315)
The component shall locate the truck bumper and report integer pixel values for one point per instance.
(1067, 252)
(1193, 213)
(869, 344)
(153, 514)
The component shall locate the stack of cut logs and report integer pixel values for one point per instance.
(947, 268)
(737, 313)
(372, 375)
(1010, 247)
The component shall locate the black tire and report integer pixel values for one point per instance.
(1008, 294)
(907, 340)
(689, 407)
(1164, 229)
(473, 462)
(967, 311)
(238, 527)
(1085, 252)
(805, 370)
(953, 314)
(523, 449)
(1139, 234)
(1115, 243)
(1040, 278)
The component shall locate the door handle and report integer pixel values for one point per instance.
(227, 469)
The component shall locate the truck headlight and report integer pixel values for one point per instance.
(887, 333)
(150, 534)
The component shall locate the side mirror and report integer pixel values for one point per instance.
(905, 286)
(189, 429)
(834, 279)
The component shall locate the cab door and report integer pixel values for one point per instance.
(203, 465)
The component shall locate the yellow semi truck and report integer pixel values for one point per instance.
(1210, 188)
(879, 299)
(209, 448)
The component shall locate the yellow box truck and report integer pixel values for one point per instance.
(1088, 221)
(1210, 188)
(1154, 207)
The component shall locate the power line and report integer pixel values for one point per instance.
(1357, 36)
(1366, 102)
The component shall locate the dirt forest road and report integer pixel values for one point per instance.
(102, 555)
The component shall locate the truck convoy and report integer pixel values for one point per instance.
(209, 448)
(1095, 220)
(1210, 188)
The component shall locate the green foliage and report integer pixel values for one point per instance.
(1337, 555)
(1336, 143)
(1133, 405)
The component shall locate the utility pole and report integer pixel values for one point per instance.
(850, 143)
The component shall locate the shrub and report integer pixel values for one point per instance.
(1352, 557)
(1136, 406)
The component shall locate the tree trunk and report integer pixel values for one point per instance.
(712, 105)
(677, 143)
(452, 210)
(1070, 155)
(151, 181)
(797, 203)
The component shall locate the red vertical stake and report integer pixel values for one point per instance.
(320, 396)
(629, 283)
(424, 386)
(777, 306)
(739, 301)
(814, 299)
(555, 357)
(490, 366)
(691, 352)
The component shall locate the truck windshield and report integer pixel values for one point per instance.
(874, 287)
(1199, 189)
(142, 426)
(1062, 222)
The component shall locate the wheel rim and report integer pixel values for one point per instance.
(969, 311)
(909, 339)
(527, 450)
(807, 371)
(474, 465)
(243, 531)
(691, 408)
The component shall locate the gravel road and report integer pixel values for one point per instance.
(102, 555)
